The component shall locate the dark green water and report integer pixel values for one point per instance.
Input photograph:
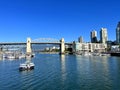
(55, 72)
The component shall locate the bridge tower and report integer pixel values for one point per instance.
(28, 48)
(62, 46)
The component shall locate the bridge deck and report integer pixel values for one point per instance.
(23, 43)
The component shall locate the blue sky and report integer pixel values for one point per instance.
(70, 19)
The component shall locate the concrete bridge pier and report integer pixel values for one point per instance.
(28, 47)
(62, 46)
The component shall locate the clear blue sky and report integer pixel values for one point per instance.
(70, 19)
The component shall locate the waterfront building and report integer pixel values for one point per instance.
(94, 36)
(89, 47)
(118, 33)
(80, 39)
(77, 46)
(103, 35)
(115, 48)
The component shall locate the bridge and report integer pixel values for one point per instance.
(37, 41)
(24, 43)
(30, 42)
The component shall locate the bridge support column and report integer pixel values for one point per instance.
(62, 46)
(28, 48)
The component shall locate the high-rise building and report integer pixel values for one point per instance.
(80, 39)
(118, 33)
(94, 36)
(103, 35)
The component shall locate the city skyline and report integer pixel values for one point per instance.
(69, 19)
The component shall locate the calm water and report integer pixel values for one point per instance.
(55, 72)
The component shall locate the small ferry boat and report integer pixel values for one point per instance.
(26, 66)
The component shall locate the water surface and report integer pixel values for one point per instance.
(67, 72)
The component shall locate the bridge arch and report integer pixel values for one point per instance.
(53, 40)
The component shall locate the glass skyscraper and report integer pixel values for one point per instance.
(80, 39)
(103, 35)
(94, 36)
(118, 33)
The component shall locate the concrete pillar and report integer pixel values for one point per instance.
(62, 46)
(28, 48)
(91, 47)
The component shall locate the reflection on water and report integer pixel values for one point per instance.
(101, 71)
(63, 67)
(28, 59)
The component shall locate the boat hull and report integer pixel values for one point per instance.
(115, 54)
(26, 68)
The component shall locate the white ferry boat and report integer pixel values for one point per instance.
(26, 66)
